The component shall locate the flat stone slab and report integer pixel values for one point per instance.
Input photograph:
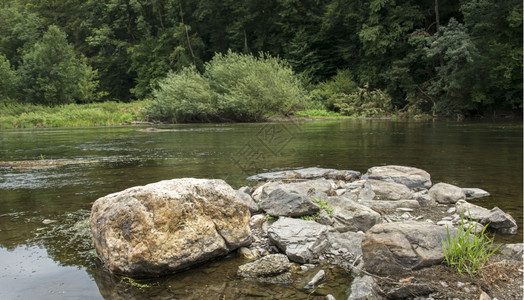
(307, 173)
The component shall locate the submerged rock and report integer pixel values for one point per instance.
(273, 268)
(393, 248)
(473, 193)
(408, 176)
(168, 226)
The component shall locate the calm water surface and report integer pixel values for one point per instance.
(45, 251)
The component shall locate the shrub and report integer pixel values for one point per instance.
(364, 103)
(185, 96)
(233, 87)
(466, 251)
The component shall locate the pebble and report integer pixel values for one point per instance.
(444, 284)
(404, 209)
(48, 221)
(445, 223)
(313, 283)
(330, 297)
(452, 210)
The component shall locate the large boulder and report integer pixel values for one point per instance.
(168, 226)
(289, 204)
(302, 241)
(445, 193)
(307, 173)
(393, 248)
(408, 176)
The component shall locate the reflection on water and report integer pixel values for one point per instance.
(45, 248)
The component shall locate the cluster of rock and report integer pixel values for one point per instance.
(311, 215)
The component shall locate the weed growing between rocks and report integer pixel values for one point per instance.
(466, 251)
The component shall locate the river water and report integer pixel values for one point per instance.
(45, 251)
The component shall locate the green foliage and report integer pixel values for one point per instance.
(233, 87)
(16, 115)
(329, 91)
(466, 251)
(185, 96)
(364, 103)
(324, 206)
(313, 217)
(270, 218)
(9, 81)
(51, 72)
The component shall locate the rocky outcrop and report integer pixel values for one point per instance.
(393, 248)
(408, 176)
(273, 268)
(444, 193)
(302, 241)
(168, 226)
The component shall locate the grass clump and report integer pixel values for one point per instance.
(466, 251)
(324, 206)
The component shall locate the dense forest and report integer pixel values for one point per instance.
(436, 57)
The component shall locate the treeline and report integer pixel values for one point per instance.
(354, 57)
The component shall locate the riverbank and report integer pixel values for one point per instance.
(72, 115)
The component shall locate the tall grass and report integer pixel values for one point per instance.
(17, 115)
(466, 251)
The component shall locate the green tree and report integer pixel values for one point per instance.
(51, 72)
(9, 81)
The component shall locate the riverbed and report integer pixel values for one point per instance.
(50, 178)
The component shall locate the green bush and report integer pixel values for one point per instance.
(364, 103)
(233, 87)
(466, 251)
(329, 91)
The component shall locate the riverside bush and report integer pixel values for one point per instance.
(233, 87)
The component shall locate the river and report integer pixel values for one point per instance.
(45, 251)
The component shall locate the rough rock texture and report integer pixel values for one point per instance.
(472, 193)
(289, 204)
(311, 187)
(248, 201)
(350, 241)
(496, 218)
(168, 226)
(302, 241)
(500, 221)
(351, 216)
(512, 251)
(307, 173)
(383, 190)
(385, 204)
(273, 268)
(445, 193)
(393, 248)
(364, 288)
(408, 176)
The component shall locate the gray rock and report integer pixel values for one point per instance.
(446, 193)
(393, 248)
(168, 226)
(351, 241)
(364, 288)
(512, 251)
(408, 176)
(316, 280)
(248, 201)
(256, 222)
(496, 218)
(424, 199)
(409, 291)
(472, 193)
(383, 204)
(302, 241)
(319, 187)
(307, 173)
(500, 221)
(288, 204)
(471, 211)
(273, 268)
(351, 216)
(383, 190)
